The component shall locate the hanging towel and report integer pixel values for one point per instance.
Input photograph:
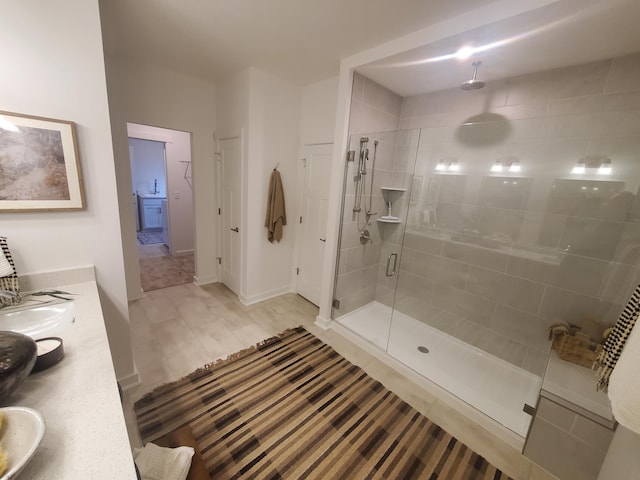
(624, 384)
(615, 342)
(276, 216)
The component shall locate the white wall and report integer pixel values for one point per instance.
(147, 160)
(318, 111)
(267, 111)
(274, 120)
(148, 95)
(232, 120)
(622, 461)
(52, 66)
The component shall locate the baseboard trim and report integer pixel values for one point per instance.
(263, 296)
(323, 323)
(204, 280)
(129, 381)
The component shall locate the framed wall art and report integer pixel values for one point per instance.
(39, 164)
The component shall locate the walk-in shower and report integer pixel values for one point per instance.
(483, 233)
(384, 296)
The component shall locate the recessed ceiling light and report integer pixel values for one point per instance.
(465, 52)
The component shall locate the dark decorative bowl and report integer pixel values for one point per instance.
(18, 354)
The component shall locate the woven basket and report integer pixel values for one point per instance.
(578, 348)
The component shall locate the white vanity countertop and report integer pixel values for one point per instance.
(159, 196)
(85, 435)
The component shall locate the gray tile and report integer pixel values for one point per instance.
(625, 74)
(476, 255)
(417, 105)
(580, 274)
(536, 361)
(592, 238)
(592, 433)
(618, 282)
(499, 224)
(451, 188)
(555, 414)
(505, 289)
(457, 218)
(502, 347)
(523, 327)
(541, 229)
(589, 198)
(562, 305)
(422, 243)
(505, 192)
(440, 269)
(628, 249)
(464, 304)
(562, 454)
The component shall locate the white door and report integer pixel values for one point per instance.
(230, 212)
(317, 175)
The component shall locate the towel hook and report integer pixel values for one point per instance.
(277, 165)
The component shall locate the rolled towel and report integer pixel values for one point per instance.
(160, 463)
(624, 384)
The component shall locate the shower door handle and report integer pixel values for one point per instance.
(395, 261)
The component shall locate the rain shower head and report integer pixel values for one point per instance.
(474, 83)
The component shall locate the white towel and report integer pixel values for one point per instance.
(624, 383)
(160, 463)
(5, 267)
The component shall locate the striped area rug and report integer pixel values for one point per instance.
(292, 408)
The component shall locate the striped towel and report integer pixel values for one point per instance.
(613, 345)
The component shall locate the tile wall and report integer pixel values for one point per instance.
(494, 257)
(373, 109)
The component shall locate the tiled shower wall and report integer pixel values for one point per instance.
(373, 109)
(493, 258)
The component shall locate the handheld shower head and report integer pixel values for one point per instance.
(474, 83)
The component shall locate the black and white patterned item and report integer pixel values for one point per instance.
(613, 345)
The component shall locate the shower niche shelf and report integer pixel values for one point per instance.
(389, 219)
(390, 194)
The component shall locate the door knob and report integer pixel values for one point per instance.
(235, 230)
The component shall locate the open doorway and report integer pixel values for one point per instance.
(163, 205)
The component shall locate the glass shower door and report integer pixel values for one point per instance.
(378, 181)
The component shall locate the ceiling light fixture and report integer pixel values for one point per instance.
(497, 166)
(465, 52)
(605, 167)
(441, 166)
(515, 167)
(7, 125)
(579, 168)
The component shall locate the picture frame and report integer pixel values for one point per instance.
(39, 165)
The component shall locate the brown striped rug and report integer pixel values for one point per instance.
(293, 408)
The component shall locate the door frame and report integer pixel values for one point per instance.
(300, 193)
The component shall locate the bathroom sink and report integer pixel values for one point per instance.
(39, 321)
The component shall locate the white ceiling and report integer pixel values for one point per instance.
(304, 40)
(554, 36)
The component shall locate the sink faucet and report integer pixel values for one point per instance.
(155, 186)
